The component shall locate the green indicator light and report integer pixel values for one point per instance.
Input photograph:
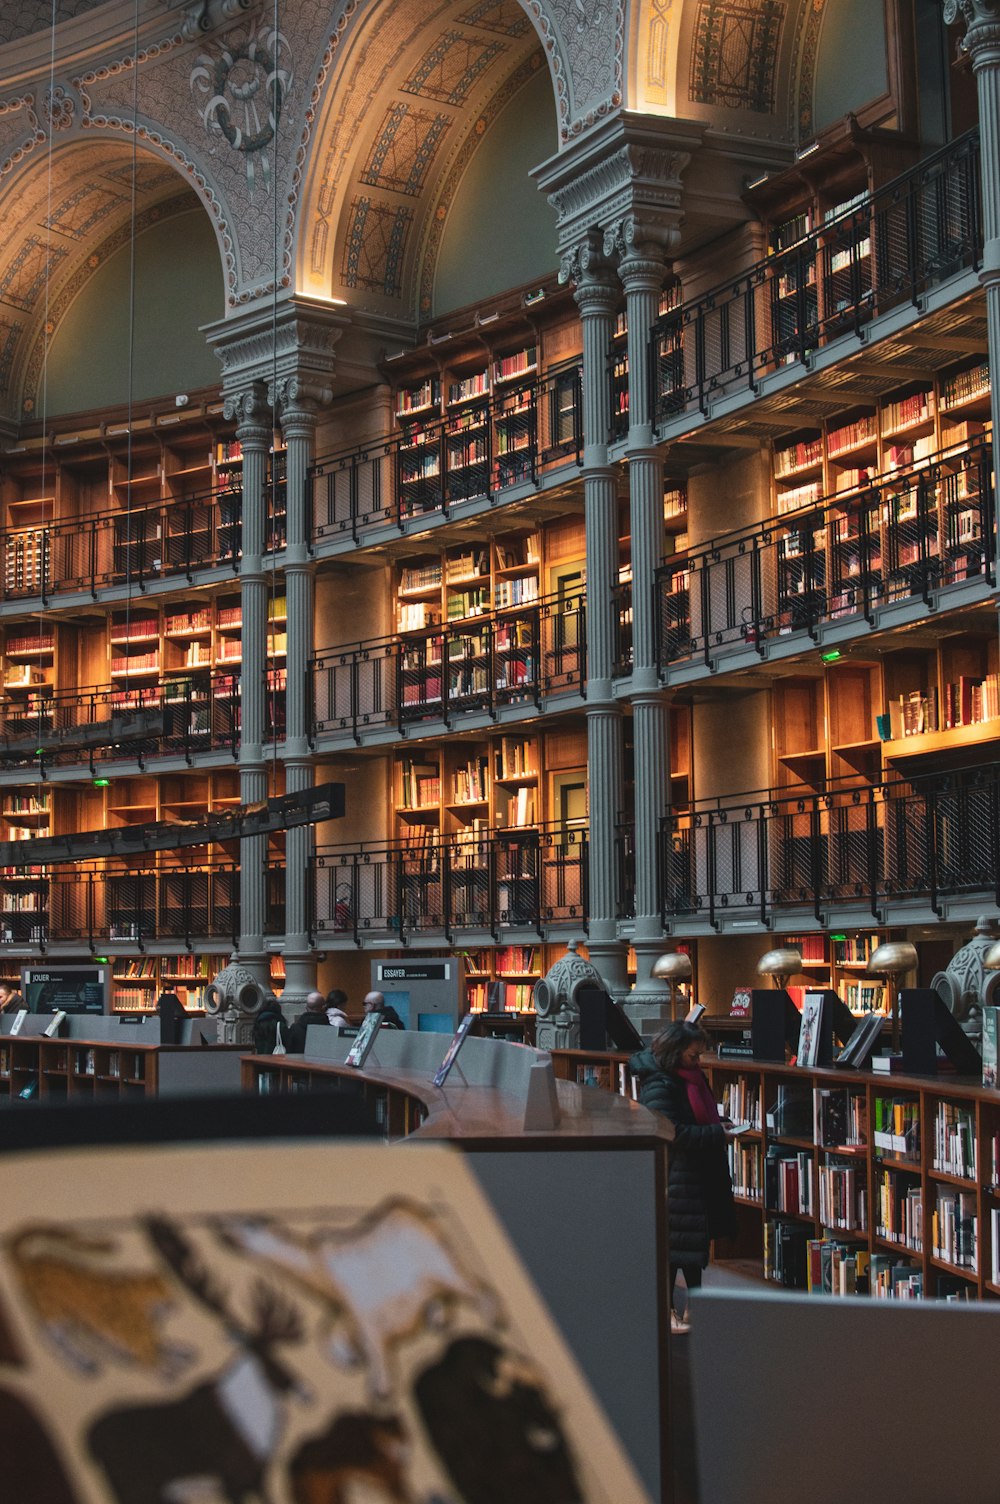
(838, 937)
(830, 657)
(101, 960)
(102, 783)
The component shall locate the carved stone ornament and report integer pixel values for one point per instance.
(558, 1024)
(965, 984)
(975, 13)
(233, 999)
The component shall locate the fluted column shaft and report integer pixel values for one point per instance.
(982, 43)
(596, 297)
(253, 430)
(298, 424)
(641, 269)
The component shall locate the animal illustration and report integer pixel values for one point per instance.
(225, 1429)
(491, 1423)
(355, 1449)
(90, 1310)
(382, 1281)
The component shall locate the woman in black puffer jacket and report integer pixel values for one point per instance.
(699, 1189)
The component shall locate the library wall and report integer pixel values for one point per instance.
(352, 603)
(727, 963)
(734, 720)
(495, 194)
(734, 493)
(729, 256)
(850, 59)
(356, 419)
(178, 287)
(351, 971)
(367, 801)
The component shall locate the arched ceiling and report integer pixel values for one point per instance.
(744, 65)
(63, 216)
(413, 94)
(29, 16)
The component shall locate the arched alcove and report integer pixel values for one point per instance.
(479, 255)
(851, 63)
(178, 286)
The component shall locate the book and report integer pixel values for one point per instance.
(991, 1032)
(856, 1053)
(440, 1075)
(365, 1038)
(810, 1029)
(694, 1013)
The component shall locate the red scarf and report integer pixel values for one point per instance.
(699, 1095)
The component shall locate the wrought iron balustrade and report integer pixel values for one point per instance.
(182, 716)
(510, 879)
(934, 836)
(482, 664)
(903, 535)
(137, 905)
(489, 445)
(887, 250)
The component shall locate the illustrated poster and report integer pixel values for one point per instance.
(289, 1323)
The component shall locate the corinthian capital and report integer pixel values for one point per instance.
(641, 237)
(982, 22)
(248, 406)
(586, 264)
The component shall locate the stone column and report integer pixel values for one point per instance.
(641, 267)
(982, 43)
(254, 432)
(596, 297)
(297, 407)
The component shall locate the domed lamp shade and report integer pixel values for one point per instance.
(673, 967)
(892, 960)
(780, 964)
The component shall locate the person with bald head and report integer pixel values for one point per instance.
(315, 1016)
(375, 1003)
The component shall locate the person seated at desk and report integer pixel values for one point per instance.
(336, 1003)
(313, 1017)
(11, 1000)
(375, 1003)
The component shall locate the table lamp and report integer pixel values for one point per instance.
(672, 967)
(780, 964)
(891, 960)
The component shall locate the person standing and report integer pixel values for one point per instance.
(700, 1203)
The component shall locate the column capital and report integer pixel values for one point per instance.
(642, 244)
(982, 25)
(249, 407)
(297, 400)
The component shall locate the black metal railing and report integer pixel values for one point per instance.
(510, 879)
(518, 657)
(932, 837)
(489, 445)
(882, 252)
(900, 536)
(136, 905)
(179, 717)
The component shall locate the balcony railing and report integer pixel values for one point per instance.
(481, 665)
(901, 536)
(903, 240)
(509, 879)
(97, 907)
(935, 837)
(508, 439)
(180, 717)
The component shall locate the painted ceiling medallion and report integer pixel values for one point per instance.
(247, 84)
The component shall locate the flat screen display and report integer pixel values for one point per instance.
(73, 989)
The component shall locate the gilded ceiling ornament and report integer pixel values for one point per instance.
(59, 107)
(246, 84)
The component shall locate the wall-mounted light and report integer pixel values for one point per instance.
(806, 151)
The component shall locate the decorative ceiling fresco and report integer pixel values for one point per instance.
(746, 65)
(328, 144)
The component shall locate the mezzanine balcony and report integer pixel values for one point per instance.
(921, 849)
(488, 667)
(835, 569)
(882, 255)
(449, 887)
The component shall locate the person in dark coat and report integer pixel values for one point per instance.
(700, 1203)
(268, 1027)
(313, 1017)
(375, 1003)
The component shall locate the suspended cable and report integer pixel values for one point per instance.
(272, 670)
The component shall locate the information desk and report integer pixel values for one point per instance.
(584, 1201)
